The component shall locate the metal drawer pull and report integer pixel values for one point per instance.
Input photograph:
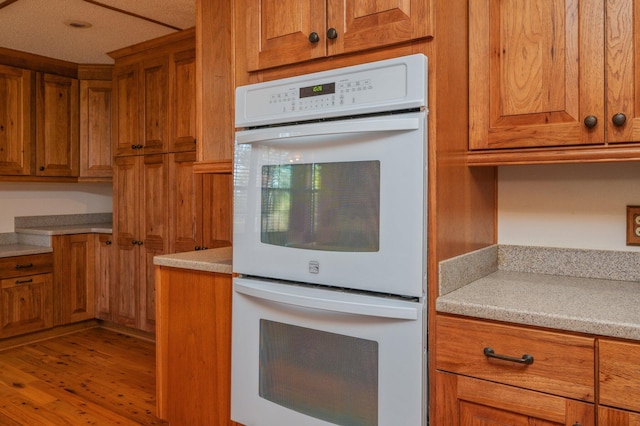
(525, 359)
(28, 265)
(24, 281)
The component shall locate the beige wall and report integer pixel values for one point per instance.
(37, 199)
(570, 205)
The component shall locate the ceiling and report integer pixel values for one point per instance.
(42, 26)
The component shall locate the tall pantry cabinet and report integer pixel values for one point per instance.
(158, 201)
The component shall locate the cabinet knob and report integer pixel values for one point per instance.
(619, 119)
(41, 168)
(314, 37)
(332, 34)
(108, 242)
(139, 242)
(134, 146)
(139, 146)
(590, 121)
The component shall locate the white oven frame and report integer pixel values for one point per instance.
(397, 325)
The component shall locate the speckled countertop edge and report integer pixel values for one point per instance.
(10, 250)
(87, 228)
(212, 260)
(593, 305)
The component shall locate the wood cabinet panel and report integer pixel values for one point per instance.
(611, 417)
(57, 140)
(217, 210)
(126, 104)
(464, 401)
(26, 304)
(193, 347)
(15, 121)
(155, 114)
(183, 116)
(95, 129)
(103, 249)
(19, 266)
(185, 204)
(563, 364)
(619, 374)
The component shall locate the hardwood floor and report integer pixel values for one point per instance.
(90, 377)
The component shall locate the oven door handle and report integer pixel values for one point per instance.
(392, 124)
(379, 309)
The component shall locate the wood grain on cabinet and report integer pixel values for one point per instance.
(619, 374)
(182, 76)
(562, 365)
(154, 91)
(73, 278)
(126, 125)
(104, 250)
(193, 344)
(15, 121)
(57, 139)
(293, 31)
(185, 204)
(95, 130)
(464, 401)
(26, 294)
(612, 417)
(549, 79)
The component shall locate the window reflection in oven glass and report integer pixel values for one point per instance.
(322, 206)
(328, 376)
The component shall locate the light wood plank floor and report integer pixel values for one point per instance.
(90, 377)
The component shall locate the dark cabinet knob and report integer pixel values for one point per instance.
(314, 37)
(108, 242)
(197, 248)
(332, 34)
(139, 146)
(134, 242)
(619, 119)
(41, 168)
(590, 121)
(134, 146)
(140, 243)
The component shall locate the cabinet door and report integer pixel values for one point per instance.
(185, 203)
(183, 96)
(57, 142)
(217, 209)
(127, 183)
(155, 233)
(612, 417)
(103, 248)
(155, 105)
(126, 126)
(536, 71)
(74, 278)
(364, 24)
(278, 32)
(462, 401)
(26, 304)
(15, 121)
(619, 374)
(623, 69)
(95, 129)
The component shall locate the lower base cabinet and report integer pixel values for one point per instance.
(464, 401)
(193, 344)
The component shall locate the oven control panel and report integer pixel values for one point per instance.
(388, 85)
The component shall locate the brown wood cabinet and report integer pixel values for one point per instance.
(57, 140)
(546, 75)
(15, 121)
(95, 130)
(286, 32)
(104, 251)
(73, 278)
(26, 294)
(141, 231)
(619, 381)
(193, 347)
(474, 380)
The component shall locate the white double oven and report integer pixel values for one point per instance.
(329, 312)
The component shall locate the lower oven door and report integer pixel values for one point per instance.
(305, 356)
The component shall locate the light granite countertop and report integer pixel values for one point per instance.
(86, 228)
(10, 250)
(510, 287)
(211, 260)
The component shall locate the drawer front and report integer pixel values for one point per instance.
(562, 364)
(619, 374)
(26, 304)
(19, 266)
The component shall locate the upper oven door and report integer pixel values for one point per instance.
(339, 203)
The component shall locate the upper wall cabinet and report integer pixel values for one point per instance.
(282, 32)
(554, 74)
(57, 146)
(152, 116)
(15, 121)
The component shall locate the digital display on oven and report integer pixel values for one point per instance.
(317, 90)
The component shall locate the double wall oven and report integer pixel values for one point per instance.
(329, 312)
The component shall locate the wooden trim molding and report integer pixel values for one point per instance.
(217, 166)
(7, 3)
(135, 15)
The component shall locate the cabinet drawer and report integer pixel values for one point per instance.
(26, 304)
(619, 374)
(562, 364)
(19, 266)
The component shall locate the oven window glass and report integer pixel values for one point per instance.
(328, 376)
(322, 206)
